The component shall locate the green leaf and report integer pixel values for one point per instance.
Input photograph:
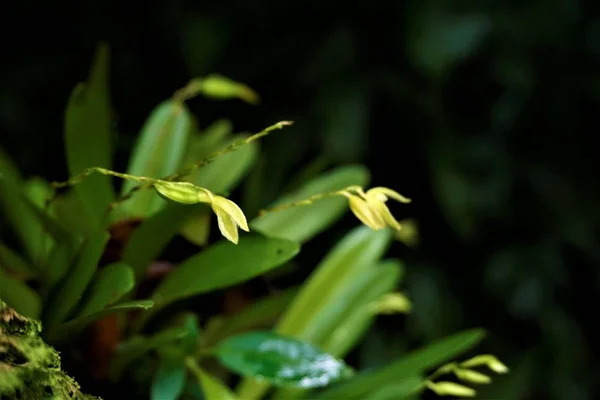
(323, 300)
(37, 190)
(169, 381)
(17, 209)
(158, 152)
(403, 390)
(260, 314)
(69, 211)
(225, 172)
(65, 331)
(130, 350)
(68, 292)
(20, 296)
(281, 360)
(358, 318)
(439, 39)
(60, 260)
(413, 363)
(152, 236)
(11, 261)
(347, 262)
(303, 223)
(109, 285)
(212, 388)
(88, 138)
(222, 265)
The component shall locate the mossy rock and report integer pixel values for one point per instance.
(29, 368)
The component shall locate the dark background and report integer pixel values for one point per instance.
(484, 113)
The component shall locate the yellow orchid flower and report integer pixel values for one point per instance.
(229, 215)
(370, 208)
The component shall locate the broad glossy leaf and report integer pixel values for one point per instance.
(152, 236)
(158, 152)
(169, 381)
(68, 292)
(212, 388)
(108, 286)
(222, 265)
(65, 331)
(130, 350)
(413, 363)
(302, 223)
(19, 296)
(88, 138)
(281, 360)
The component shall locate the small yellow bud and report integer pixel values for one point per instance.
(468, 375)
(392, 303)
(488, 360)
(181, 192)
(450, 389)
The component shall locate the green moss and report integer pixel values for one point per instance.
(29, 368)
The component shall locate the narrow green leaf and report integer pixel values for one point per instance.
(260, 314)
(60, 260)
(88, 138)
(403, 390)
(65, 331)
(302, 223)
(281, 360)
(340, 324)
(349, 329)
(37, 190)
(169, 381)
(130, 350)
(12, 262)
(108, 286)
(347, 262)
(19, 296)
(17, 210)
(68, 292)
(411, 364)
(212, 388)
(158, 152)
(222, 265)
(152, 236)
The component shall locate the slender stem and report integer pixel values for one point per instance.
(232, 147)
(310, 200)
(148, 182)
